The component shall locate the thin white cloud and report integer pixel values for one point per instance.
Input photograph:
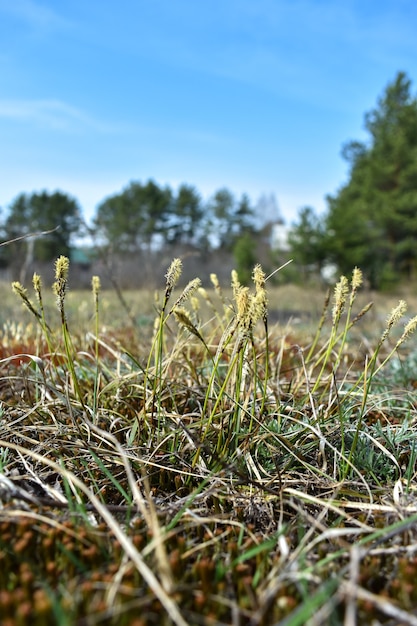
(257, 43)
(54, 115)
(33, 13)
(58, 116)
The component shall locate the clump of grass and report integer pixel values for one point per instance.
(226, 474)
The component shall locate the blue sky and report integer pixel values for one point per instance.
(255, 95)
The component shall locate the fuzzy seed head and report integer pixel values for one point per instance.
(61, 280)
(189, 290)
(258, 277)
(235, 281)
(95, 285)
(61, 268)
(259, 310)
(243, 304)
(340, 294)
(37, 283)
(182, 317)
(357, 279)
(184, 320)
(409, 329)
(19, 289)
(260, 303)
(203, 293)
(173, 275)
(396, 314)
(214, 281)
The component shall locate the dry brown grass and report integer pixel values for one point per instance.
(206, 469)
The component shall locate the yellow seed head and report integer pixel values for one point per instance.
(189, 289)
(19, 289)
(184, 320)
(258, 308)
(61, 268)
(340, 293)
(95, 285)
(357, 279)
(37, 283)
(22, 293)
(243, 304)
(235, 281)
(214, 281)
(396, 314)
(61, 279)
(260, 303)
(409, 328)
(203, 293)
(173, 274)
(258, 276)
(195, 303)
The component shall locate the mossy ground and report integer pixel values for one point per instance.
(207, 471)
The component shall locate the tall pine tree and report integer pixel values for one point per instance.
(372, 221)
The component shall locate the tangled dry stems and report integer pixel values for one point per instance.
(218, 473)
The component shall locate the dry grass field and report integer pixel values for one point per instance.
(232, 456)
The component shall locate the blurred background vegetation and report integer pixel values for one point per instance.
(371, 222)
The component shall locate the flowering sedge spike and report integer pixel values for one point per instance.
(22, 293)
(258, 277)
(214, 281)
(258, 308)
(340, 293)
(260, 302)
(396, 314)
(95, 285)
(409, 328)
(235, 283)
(189, 290)
(37, 285)
(183, 319)
(203, 293)
(355, 283)
(172, 276)
(393, 318)
(61, 281)
(357, 278)
(243, 306)
(195, 303)
(19, 290)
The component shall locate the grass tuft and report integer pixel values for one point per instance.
(208, 467)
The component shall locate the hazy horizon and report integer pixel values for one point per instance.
(258, 97)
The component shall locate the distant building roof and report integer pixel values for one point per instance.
(82, 256)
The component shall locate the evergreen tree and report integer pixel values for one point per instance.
(372, 221)
(36, 213)
(131, 219)
(187, 215)
(230, 219)
(308, 242)
(244, 253)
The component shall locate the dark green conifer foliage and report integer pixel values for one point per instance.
(35, 213)
(372, 220)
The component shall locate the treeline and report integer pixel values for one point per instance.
(144, 217)
(371, 222)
